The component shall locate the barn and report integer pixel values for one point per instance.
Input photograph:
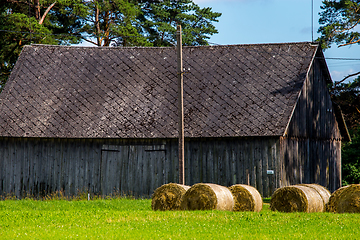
(104, 120)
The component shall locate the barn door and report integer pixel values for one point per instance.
(135, 170)
(110, 169)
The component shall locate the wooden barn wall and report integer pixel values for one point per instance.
(42, 166)
(311, 149)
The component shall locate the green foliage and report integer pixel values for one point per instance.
(106, 23)
(347, 96)
(351, 159)
(21, 25)
(339, 20)
(134, 219)
(160, 18)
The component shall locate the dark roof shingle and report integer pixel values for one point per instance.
(90, 92)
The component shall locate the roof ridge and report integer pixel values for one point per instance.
(202, 46)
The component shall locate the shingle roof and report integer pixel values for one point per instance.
(100, 92)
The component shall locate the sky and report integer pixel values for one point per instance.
(277, 21)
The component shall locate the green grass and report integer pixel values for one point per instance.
(134, 219)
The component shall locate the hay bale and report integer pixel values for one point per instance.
(296, 198)
(168, 196)
(247, 198)
(207, 196)
(349, 200)
(331, 206)
(324, 193)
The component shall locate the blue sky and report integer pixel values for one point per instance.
(275, 21)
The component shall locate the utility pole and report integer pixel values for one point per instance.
(181, 105)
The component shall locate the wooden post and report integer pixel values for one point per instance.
(181, 105)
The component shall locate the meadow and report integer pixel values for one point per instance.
(126, 218)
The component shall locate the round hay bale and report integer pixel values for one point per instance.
(324, 193)
(207, 196)
(247, 198)
(331, 206)
(168, 196)
(296, 198)
(349, 200)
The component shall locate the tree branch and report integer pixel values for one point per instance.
(89, 41)
(350, 75)
(46, 12)
(349, 43)
(348, 28)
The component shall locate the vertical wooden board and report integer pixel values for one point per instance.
(69, 168)
(30, 159)
(232, 163)
(3, 165)
(325, 163)
(253, 164)
(72, 167)
(35, 157)
(62, 166)
(75, 167)
(10, 188)
(47, 164)
(143, 174)
(85, 155)
(161, 156)
(317, 161)
(281, 164)
(167, 163)
(258, 165)
(109, 178)
(242, 163)
(192, 162)
(173, 157)
(221, 163)
(248, 162)
(150, 174)
(201, 164)
(144, 164)
(97, 167)
(163, 163)
(18, 157)
(217, 166)
(336, 163)
(57, 164)
(81, 178)
(271, 160)
(306, 161)
(228, 163)
(91, 170)
(297, 160)
(218, 170)
(103, 167)
(265, 165)
(137, 188)
(95, 160)
(151, 170)
(8, 166)
(128, 175)
(51, 150)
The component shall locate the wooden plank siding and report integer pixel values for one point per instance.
(311, 147)
(40, 166)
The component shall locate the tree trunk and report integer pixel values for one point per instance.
(37, 9)
(107, 40)
(97, 24)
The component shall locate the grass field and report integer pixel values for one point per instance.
(134, 219)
